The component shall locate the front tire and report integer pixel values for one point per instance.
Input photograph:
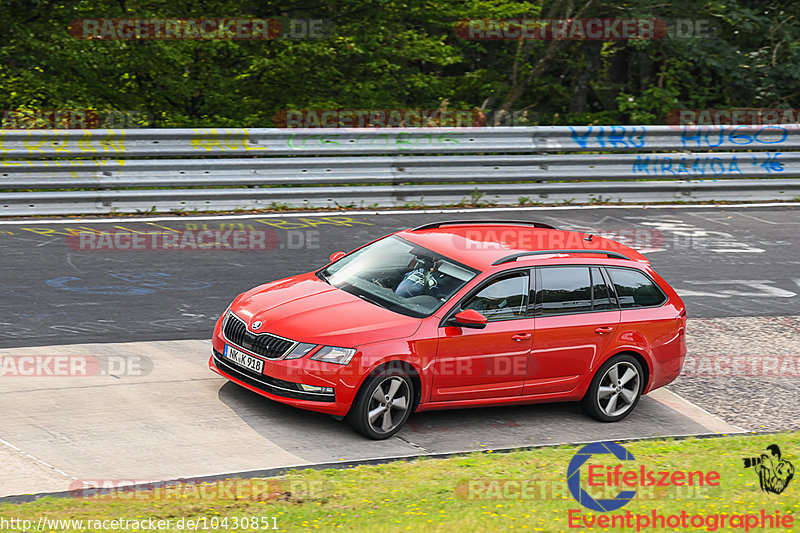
(382, 405)
(615, 389)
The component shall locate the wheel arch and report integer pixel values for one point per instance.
(639, 357)
(403, 366)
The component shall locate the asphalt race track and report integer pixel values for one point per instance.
(168, 417)
(725, 262)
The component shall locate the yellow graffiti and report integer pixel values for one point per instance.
(60, 142)
(85, 144)
(247, 145)
(50, 231)
(74, 232)
(208, 140)
(36, 147)
(109, 141)
(232, 143)
(54, 143)
(294, 223)
(313, 222)
(234, 226)
(139, 232)
(166, 228)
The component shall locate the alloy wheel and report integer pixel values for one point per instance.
(619, 389)
(388, 404)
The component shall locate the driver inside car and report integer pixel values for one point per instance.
(419, 280)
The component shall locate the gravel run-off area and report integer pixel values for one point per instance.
(745, 370)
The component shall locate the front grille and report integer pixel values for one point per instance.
(275, 386)
(263, 344)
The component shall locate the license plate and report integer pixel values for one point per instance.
(242, 359)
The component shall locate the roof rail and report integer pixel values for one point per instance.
(433, 225)
(512, 257)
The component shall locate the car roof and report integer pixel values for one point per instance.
(484, 244)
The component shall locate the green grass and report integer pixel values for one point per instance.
(474, 492)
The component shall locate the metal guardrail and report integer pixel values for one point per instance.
(395, 170)
(209, 169)
(30, 144)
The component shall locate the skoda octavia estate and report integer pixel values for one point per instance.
(458, 314)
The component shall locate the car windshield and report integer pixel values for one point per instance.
(399, 275)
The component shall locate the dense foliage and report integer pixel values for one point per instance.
(386, 54)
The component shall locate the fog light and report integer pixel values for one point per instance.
(314, 388)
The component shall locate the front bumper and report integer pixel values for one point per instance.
(274, 386)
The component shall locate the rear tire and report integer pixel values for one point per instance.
(615, 389)
(382, 405)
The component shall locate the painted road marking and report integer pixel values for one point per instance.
(288, 223)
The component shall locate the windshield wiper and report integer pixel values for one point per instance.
(370, 300)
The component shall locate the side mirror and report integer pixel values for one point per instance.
(335, 256)
(469, 318)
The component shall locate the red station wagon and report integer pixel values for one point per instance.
(458, 314)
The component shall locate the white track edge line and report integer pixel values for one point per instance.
(36, 459)
(395, 212)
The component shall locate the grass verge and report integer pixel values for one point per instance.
(481, 491)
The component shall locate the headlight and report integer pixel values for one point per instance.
(227, 309)
(334, 354)
(300, 350)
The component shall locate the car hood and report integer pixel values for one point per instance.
(306, 309)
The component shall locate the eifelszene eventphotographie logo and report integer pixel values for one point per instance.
(594, 481)
(604, 479)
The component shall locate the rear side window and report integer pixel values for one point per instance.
(565, 290)
(634, 289)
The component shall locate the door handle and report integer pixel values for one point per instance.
(604, 329)
(521, 336)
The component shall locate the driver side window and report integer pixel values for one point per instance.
(502, 299)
